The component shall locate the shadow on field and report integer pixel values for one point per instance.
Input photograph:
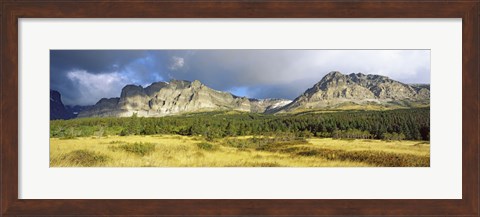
(300, 147)
(377, 158)
(84, 158)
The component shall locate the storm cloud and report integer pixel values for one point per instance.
(85, 76)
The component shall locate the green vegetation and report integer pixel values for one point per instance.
(138, 148)
(376, 158)
(352, 134)
(393, 136)
(84, 158)
(206, 146)
(235, 139)
(409, 124)
(267, 143)
(246, 151)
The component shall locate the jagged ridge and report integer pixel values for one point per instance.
(175, 97)
(336, 88)
(57, 109)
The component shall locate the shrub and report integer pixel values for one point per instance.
(124, 132)
(351, 134)
(265, 143)
(85, 158)
(206, 146)
(138, 148)
(323, 134)
(393, 136)
(68, 137)
(239, 143)
(305, 134)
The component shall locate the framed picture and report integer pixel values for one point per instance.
(240, 108)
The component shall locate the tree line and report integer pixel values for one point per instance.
(411, 124)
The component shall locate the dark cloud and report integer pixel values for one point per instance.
(94, 61)
(85, 76)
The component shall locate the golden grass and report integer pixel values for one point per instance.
(183, 151)
(420, 148)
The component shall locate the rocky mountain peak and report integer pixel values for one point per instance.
(132, 88)
(196, 84)
(57, 108)
(55, 96)
(333, 74)
(357, 76)
(104, 101)
(336, 88)
(155, 87)
(334, 78)
(179, 84)
(175, 97)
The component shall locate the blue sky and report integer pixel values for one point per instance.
(85, 76)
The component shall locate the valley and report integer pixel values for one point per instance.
(335, 90)
(353, 120)
(337, 138)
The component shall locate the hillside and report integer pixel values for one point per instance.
(335, 91)
(57, 108)
(176, 97)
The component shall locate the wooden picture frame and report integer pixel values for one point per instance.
(468, 11)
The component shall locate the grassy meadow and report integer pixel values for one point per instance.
(247, 151)
(391, 138)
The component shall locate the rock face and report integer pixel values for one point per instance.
(268, 106)
(57, 109)
(104, 108)
(175, 97)
(336, 88)
(76, 109)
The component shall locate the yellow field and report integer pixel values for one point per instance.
(183, 151)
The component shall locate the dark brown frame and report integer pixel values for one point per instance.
(11, 10)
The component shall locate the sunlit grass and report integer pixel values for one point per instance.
(404, 147)
(183, 151)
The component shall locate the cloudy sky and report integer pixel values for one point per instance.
(85, 76)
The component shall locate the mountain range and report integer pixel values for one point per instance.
(60, 111)
(57, 108)
(334, 90)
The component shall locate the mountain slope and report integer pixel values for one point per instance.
(355, 91)
(175, 97)
(57, 109)
(76, 109)
(336, 89)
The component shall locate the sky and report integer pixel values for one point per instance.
(85, 76)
